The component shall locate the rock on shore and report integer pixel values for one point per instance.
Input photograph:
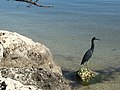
(20, 51)
(29, 63)
(32, 79)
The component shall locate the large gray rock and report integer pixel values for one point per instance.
(35, 78)
(10, 84)
(25, 62)
(20, 51)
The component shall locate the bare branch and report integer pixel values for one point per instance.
(31, 2)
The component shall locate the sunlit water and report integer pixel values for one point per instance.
(67, 29)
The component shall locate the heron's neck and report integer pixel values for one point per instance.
(92, 45)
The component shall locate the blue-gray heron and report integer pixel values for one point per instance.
(89, 53)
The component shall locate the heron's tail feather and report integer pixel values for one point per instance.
(82, 62)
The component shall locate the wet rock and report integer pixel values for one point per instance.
(87, 75)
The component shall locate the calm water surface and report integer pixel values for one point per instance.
(68, 28)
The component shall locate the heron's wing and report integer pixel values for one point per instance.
(87, 56)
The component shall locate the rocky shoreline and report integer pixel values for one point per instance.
(28, 64)
(34, 78)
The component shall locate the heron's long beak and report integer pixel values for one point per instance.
(97, 39)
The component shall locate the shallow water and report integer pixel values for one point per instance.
(68, 28)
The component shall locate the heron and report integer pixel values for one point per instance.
(89, 53)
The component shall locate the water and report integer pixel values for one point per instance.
(68, 28)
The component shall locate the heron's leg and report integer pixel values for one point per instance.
(87, 65)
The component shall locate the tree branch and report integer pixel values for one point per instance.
(31, 2)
